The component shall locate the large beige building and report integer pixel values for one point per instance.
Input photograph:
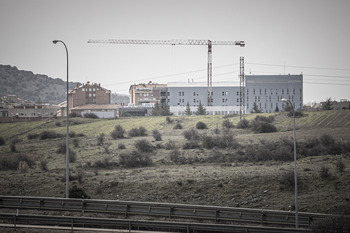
(149, 93)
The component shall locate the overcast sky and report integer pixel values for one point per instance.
(310, 37)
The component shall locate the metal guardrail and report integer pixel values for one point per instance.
(214, 213)
(122, 224)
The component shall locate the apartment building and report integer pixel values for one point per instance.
(89, 93)
(146, 94)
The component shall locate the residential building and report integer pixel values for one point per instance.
(16, 109)
(149, 93)
(89, 93)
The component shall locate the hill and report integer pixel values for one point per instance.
(34, 87)
(214, 166)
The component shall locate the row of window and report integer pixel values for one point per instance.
(90, 89)
(272, 91)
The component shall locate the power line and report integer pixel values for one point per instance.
(304, 67)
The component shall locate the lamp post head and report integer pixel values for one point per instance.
(284, 100)
(55, 41)
(240, 43)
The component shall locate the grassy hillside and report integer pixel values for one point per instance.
(243, 168)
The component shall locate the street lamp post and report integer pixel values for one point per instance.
(295, 165)
(67, 126)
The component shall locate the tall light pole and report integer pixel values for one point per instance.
(295, 165)
(67, 126)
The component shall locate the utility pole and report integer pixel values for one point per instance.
(241, 88)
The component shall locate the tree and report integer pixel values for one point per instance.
(327, 105)
(277, 109)
(188, 109)
(156, 110)
(201, 110)
(255, 108)
(165, 110)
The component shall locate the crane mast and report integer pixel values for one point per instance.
(209, 43)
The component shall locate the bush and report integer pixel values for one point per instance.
(327, 140)
(268, 119)
(169, 120)
(287, 180)
(58, 124)
(243, 124)
(190, 145)
(135, 159)
(157, 136)
(191, 134)
(23, 167)
(340, 165)
(121, 146)
(227, 124)
(11, 161)
(78, 192)
(2, 141)
(90, 115)
(102, 164)
(144, 146)
(118, 132)
(33, 136)
(324, 172)
(175, 155)
(43, 165)
(170, 145)
(134, 132)
(297, 114)
(101, 139)
(49, 135)
(263, 127)
(76, 142)
(332, 223)
(178, 126)
(201, 125)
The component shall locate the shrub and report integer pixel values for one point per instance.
(101, 139)
(135, 159)
(62, 150)
(78, 192)
(178, 126)
(72, 156)
(118, 132)
(102, 164)
(90, 115)
(201, 125)
(191, 134)
(169, 120)
(73, 114)
(43, 165)
(340, 165)
(49, 135)
(268, 119)
(157, 136)
(263, 127)
(144, 145)
(2, 141)
(58, 124)
(227, 124)
(243, 124)
(296, 114)
(324, 172)
(134, 132)
(169, 145)
(11, 161)
(327, 139)
(175, 155)
(331, 223)
(76, 142)
(190, 145)
(121, 146)
(33, 136)
(23, 166)
(287, 180)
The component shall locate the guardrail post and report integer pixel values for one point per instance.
(262, 217)
(40, 201)
(72, 223)
(126, 211)
(83, 204)
(129, 226)
(188, 228)
(170, 211)
(14, 222)
(216, 215)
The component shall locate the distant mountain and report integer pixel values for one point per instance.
(38, 87)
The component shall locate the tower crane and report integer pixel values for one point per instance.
(209, 43)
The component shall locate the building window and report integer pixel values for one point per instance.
(83, 89)
(260, 91)
(237, 100)
(237, 92)
(293, 91)
(247, 91)
(253, 91)
(282, 91)
(89, 94)
(259, 99)
(287, 91)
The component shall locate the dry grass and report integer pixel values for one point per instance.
(233, 183)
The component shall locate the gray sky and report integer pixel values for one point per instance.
(310, 37)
